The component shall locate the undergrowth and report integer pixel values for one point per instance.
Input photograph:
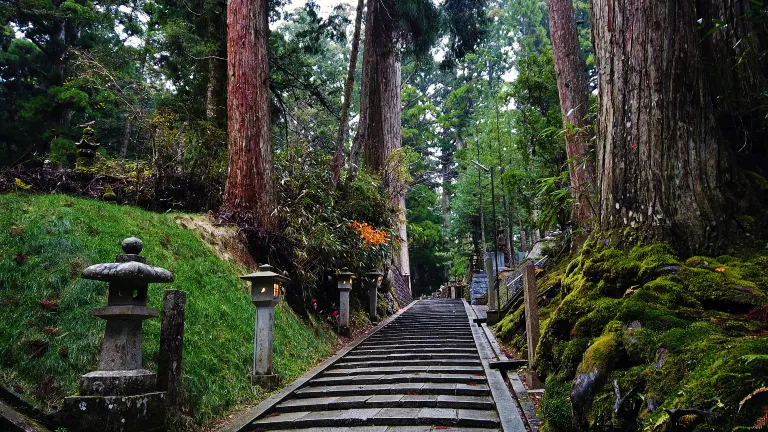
(629, 335)
(48, 337)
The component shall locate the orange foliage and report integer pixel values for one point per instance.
(371, 235)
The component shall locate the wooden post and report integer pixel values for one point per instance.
(531, 320)
(171, 342)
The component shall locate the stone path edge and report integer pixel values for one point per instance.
(506, 406)
(243, 420)
(521, 393)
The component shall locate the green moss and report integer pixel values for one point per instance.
(555, 407)
(671, 334)
(593, 323)
(601, 355)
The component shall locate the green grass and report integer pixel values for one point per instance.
(55, 236)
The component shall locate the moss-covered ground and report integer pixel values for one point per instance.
(48, 337)
(629, 335)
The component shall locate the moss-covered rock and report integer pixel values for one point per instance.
(634, 333)
(599, 361)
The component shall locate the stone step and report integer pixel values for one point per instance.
(417, 346)
(430, 334)
(467, 341)
(400, 369)
(377, 361)
(418, 340)
(381, 417)
(392, 429)
(404, 388)
(409, 356)
(406, 350)
(386, 401)
(397, 378)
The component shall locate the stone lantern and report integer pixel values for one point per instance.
(374, 282)
(266, 293)
(121, 394)
(87, 147)
(345, 286)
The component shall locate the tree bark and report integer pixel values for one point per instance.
(446, 162)
(380, 131)
(126, 136)
(250, 187)
(574, 104)
(661, 168)
(216, 73)
(338, 157)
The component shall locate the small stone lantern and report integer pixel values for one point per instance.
(374, 282)
(266, 293)
(345, 286)
(87, 147)
(121, 395)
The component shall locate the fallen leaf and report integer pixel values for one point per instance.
(51, 305)
(20, 258)
(17, 231)
(721, 269)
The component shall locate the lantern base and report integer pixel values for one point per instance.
(345, 331)
(138, 413)
(117, 383)
(267, 382)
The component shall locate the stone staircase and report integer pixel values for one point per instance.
(421, 372)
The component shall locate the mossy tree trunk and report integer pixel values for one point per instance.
(661, 166)
(250, 187)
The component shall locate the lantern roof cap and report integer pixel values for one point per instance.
(129, 266)
(345, 271)
(375, 272)
(264, 271)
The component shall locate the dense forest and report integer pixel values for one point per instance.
(616, 137)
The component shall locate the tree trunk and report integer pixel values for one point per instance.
(126, 136)
(661, 166)
(338, 157)
(380, 130)
(250, 188)
(213, 91)
(574, 104)
(446, 162)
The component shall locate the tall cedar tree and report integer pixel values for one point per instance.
(338, 157)
(380, 131)
(250, 188)
(661, 165)
(574, 104)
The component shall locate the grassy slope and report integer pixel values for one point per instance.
(58, 240)
(692, 336)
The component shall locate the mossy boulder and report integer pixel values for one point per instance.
(599, 361)
(636, 333)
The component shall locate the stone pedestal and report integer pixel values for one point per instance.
(491, 285)
(121, 395)
(374, 279)
(344, 311)
(136, 413)
(344, 284)
(372, 300)
(263, 375)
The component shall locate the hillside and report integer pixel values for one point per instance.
(48, 337)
